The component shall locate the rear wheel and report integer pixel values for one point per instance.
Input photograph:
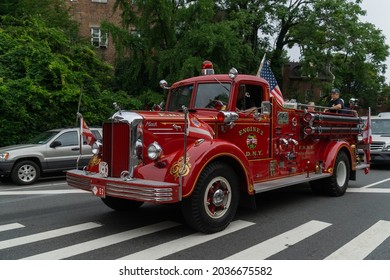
(120, 204)
(337, 184)
(213, 204)
(25, 172)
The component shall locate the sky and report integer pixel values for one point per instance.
(377, 11)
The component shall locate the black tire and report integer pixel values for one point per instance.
(25, 172)
(120, 204)
(337, 184)
(213, 204)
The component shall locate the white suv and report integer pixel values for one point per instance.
(380, 146)
(51, 151)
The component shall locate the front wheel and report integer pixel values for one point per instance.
(25, 172)
(213, 204)
(337, 184)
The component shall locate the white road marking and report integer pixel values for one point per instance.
(35, 186)
(362, 245)
(279, 243)
(5, 193)
(376, 183)
(371, 190)
(183, 243)
(10, 226)
(102, 242)
(46, 235)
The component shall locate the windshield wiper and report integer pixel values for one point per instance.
(227, 90)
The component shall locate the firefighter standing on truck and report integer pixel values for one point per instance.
(335, 103)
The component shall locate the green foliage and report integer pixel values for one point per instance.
(45, 67)
(42, 77)
(332, 38)
(171, 39)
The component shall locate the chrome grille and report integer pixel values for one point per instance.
(116, 147)
(377, 146)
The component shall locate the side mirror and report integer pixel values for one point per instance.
(265, 108)
(55, 144)
(164, 84)
(265, 111)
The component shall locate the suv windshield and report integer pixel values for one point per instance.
(380, 126)
(43, 138)
(206, 95)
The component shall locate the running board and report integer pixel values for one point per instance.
(288, 181)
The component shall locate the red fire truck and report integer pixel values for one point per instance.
(220, 140)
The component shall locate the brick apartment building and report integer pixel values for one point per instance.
(300, 87)
(89, 14)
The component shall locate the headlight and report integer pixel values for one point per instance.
(4, 156)
(154, 151)
(97, 147)
(387, 148)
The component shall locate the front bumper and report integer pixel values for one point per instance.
(135, 189)
(380, 157)
(6, 167)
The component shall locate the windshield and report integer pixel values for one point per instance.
(180, 96)
(380, 126)
(209, 93)
(205, 97)
(43, 138)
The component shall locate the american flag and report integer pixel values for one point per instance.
(266, 73)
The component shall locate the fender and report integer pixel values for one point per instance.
(198, 156)
(214, 150)
(330, 153)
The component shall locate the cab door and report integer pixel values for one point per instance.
(251, 132)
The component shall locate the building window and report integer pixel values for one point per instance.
(98, 38)
(100, 1)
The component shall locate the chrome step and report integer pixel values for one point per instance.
(288, 181)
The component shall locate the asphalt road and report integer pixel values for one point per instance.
(51, 221)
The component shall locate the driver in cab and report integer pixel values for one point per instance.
(244, 102)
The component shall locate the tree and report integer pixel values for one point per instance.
(170, 39)
(330, 35)
(42, 77)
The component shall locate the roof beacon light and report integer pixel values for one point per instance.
(207, 68)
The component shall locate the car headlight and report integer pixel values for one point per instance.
(97, 147)
(4, 156)
(154, 151)
(387, 148)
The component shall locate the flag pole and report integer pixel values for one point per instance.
(260, 66)
(80, 116)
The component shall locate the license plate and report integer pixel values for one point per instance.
(99, 191)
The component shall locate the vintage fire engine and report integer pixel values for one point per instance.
(220, 141)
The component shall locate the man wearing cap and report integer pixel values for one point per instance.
(335, 103)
